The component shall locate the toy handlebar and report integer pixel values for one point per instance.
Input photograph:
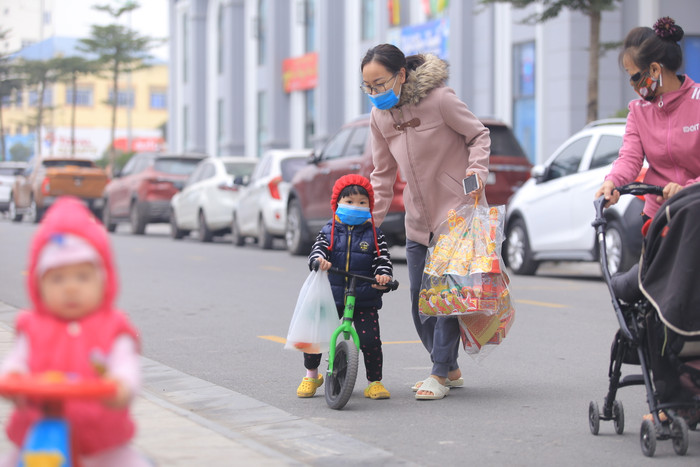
(391, 285)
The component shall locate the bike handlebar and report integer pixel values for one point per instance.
(391, 285)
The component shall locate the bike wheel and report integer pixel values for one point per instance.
(341, 382)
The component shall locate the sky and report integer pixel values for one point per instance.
(74, 18)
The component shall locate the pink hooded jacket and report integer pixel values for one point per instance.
(434, 140)
(666, 131)
(59, 345)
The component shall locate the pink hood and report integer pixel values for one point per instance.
(667, 132)
(69, 215)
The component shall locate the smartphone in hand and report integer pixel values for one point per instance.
(470, 184)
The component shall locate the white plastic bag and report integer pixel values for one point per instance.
(315, 316)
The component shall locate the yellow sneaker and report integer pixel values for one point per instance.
(376, 390)
(308, 386)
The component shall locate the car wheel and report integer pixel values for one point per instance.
(203, 232)
(236, 237)
(175, 232)
(14, 215)
(137, 219)
(619, 258)
(264, 236)
(35, 212)
(517, 250)
(296, 231)
(107, 217)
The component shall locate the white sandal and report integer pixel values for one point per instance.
(450, 383)
(430, 384)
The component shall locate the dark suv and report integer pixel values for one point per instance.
(140, 193)
(348, 151)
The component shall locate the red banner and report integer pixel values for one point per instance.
(300, 73)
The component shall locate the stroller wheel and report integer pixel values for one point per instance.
(647, 438)
(618, 413)
(593, 418)
(679, 434)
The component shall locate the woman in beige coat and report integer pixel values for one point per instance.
(420, 128)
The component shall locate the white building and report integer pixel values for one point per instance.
(248, 75)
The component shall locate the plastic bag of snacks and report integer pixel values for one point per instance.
(464, 276)
(315, 316)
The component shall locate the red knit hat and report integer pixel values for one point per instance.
(351, 179)
(345, 181)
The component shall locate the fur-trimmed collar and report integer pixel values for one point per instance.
(430, 75)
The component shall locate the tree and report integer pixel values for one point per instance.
(69, 69)
(9, 85)
(594, 10)
(119, 49)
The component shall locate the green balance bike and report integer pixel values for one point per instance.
(343, 356)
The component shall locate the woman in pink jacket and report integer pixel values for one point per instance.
(420, 128)
(664, 125)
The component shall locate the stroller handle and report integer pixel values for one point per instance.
(637, 189)
(392, 285)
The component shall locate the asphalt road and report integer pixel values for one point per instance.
(220, 313)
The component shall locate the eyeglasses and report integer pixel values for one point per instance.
(379, 88)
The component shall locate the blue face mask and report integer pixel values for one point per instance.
(352, 215)
(386, 99)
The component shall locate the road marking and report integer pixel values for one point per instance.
(545, 304)
(282, 340)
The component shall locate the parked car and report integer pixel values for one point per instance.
(9, 170)
(206, 202)
(140, 193)
(348, 151)
(261, 208)
(45, 179)
(549, 218)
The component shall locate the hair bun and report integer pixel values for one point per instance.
(667, 29)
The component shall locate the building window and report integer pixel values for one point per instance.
(219, 119)
(220, 40)
(260, 31)
(524, 117)
(7, 100)
(309, 118)
(185, 47)
(34, 98)
(125, 98)
(262, 122)
(691, 56)
(83, 96)
(310, 30)
(368, 16)
(19, 98)
(159, 99)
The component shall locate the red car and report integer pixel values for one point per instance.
(140, 193)
(348, 151)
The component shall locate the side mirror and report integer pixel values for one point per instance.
(538, 172)
(313, 158)
(241, 180)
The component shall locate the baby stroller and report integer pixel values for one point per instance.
(657, 304)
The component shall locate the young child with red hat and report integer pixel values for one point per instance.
(351, 242)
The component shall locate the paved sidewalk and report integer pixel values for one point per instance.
(183, 420)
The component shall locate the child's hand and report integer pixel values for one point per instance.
(382, 280)
(122, 398)
(323, 264)
(18, 400)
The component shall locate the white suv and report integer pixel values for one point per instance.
(549, 217)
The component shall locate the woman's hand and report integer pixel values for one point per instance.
(383, 280)
(478, 192)
(608, 190)
(669, 190)
(323, 264)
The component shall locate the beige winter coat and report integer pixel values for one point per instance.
(433, 153)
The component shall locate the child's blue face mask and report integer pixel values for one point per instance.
(352, 215)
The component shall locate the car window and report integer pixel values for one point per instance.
(569, 159)
(208, 171)
(290, 166)
(7, 171)
(65, 163)
(358, 141)
(129, 167)
(239, 169)
(336, 146)
(261, 167)
(175, 166)
(503, 142)
(606, 151)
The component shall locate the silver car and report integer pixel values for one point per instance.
(261, 209)
(206, 201)
(8, 172)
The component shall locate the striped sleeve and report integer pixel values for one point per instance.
(382, 260)
(320, 249)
